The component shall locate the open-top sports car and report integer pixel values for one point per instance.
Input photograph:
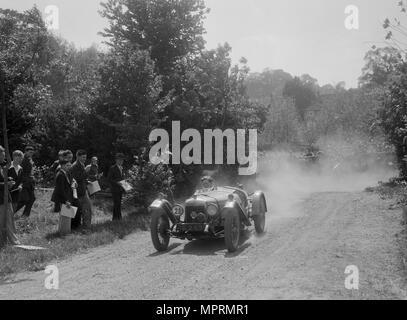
(210, 213)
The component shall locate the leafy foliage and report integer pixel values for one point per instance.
(302, 92)
(23, 60)
(380, 65)
(393, 117)
(150, 180)
(170, 30)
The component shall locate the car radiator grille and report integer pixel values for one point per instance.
(189, 210)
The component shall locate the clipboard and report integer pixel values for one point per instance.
(93, 187)
(125, 185)
(68, 212)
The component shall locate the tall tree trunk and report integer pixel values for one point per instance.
(3, 231)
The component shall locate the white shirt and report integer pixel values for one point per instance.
(16, 168)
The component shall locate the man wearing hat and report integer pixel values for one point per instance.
(78, 172)
(114, 176)
(27, 196)
(63, 193)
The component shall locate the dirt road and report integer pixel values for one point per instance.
(302, 255)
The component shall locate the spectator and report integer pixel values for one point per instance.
(93, 169)
(114, 176)
(56, 165)
(78, 173)
(6, 211)
(63, 155)
(63, 193)
(27, 196)
(15, 172)
(69, 155)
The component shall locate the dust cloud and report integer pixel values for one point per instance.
(288, 180)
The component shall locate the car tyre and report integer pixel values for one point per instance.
(159, 228)
(232, 230)
(260, 218)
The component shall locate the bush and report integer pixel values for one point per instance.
(44, 176)
(149, 180)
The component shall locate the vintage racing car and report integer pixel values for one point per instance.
(209, 213)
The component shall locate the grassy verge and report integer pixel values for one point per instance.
(396, 190)
(41, 230)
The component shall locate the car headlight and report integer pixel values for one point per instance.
(212, 209)
(178, 211)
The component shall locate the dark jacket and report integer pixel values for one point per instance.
(78, 173)
(27, 173)
(114, 176)
(63, 190)
(2, 186)
(17, 177)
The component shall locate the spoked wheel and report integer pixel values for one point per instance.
(232, 230)
(160, 228)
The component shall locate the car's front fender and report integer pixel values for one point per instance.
(231, 206)
(165, 206)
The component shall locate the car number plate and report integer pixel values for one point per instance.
(191, 227)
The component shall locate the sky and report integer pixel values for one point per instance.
(298, 36)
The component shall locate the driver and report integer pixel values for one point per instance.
(207, 183)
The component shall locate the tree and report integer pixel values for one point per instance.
(22, 41)
(396, 32)
(265, 86)
(388, 71)
(198, 87)
(169, 30)
(128, 99)
(23, 58)
(380, 65)
(393, 116)
(302, 93)
(73, 81)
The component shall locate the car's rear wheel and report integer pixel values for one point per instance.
(232, 230)
(260, 218)
(160, 227)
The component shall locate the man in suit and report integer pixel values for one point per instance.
(54, 167)
(27, 196)
(15, 172)
(93, 169)
(78, 173)
(63, 193)
(114, 176)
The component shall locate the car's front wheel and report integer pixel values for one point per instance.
(259, 217)
(160, 227)
(232, 230)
